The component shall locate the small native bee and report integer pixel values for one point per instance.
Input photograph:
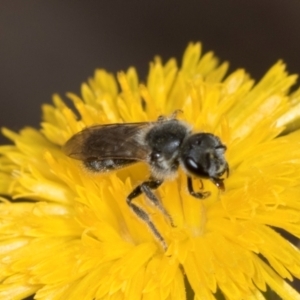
(164, 145)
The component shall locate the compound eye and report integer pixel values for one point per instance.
(194, 168)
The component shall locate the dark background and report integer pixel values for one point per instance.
(54, 46)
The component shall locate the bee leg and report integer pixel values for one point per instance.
(199, 195)
(171, 117)
(147, 188)
(175, 113)
(144, 215)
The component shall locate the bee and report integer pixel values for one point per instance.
(164, 145)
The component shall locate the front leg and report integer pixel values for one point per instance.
(199, 195)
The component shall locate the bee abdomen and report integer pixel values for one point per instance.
(107, 165)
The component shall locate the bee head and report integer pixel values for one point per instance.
(202, 155)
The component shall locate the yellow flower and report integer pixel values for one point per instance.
(69, 234)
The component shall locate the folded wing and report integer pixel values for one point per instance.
(112, 141)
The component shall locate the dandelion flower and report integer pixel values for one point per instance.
(69, 234)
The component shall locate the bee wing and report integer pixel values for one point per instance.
(115, 141)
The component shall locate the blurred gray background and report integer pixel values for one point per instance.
(53, 46)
